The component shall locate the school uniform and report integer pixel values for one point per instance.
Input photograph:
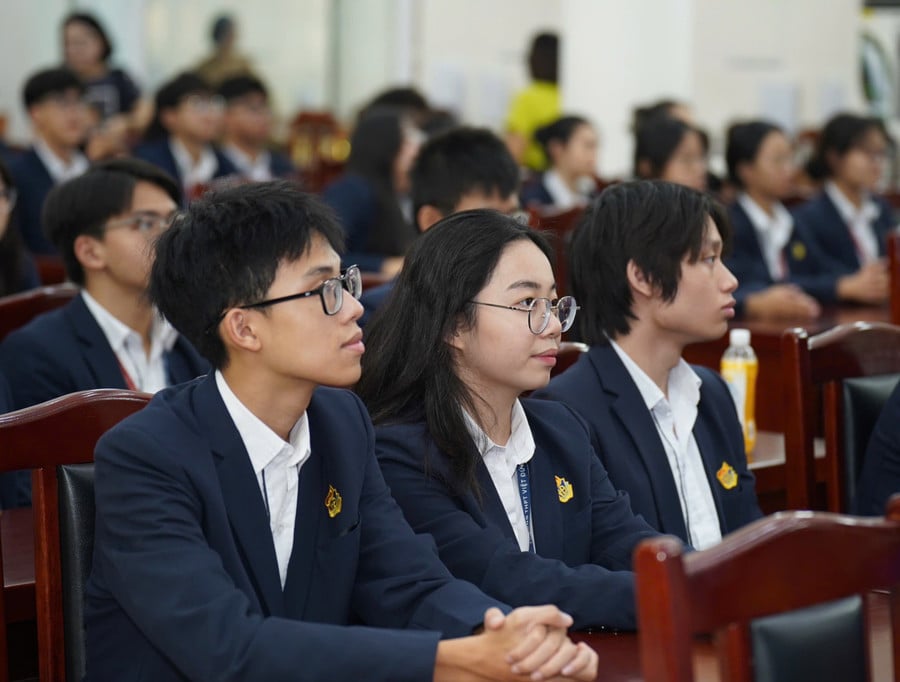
(625, 436)
(880, 475)
(372, 299)
(186, 584)
(549, 189)
(167, 154)
(582, 530)
(849, 236)
(770, 250)
(268, 165)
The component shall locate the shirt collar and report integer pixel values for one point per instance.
(683, 381)
(162, 334)
(254, 169)
(559, 191)
(780, 222)
(849, 212)
(59, 170)
(521, 441)
(193, 173)
(263, 445)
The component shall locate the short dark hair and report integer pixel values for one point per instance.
(842, 133)
(543, 57)
(49, 82)
(84, 204)
(459, 161)
(560, 130)
(222, 25)
(225, 251)
(743, 143)
(170, 95)
(409, 369)
(653, 223)
(91, 22)
(239, 86)
(656, 141)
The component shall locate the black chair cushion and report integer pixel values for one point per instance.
(824, 643)
(76, 536)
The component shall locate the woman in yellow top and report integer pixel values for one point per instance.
(536, 105)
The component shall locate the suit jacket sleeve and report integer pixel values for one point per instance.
(153, 557)
(880, 477)
(35, 373)
(354, 202)
(475, 550)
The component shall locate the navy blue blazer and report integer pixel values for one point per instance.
(807, 266)
(15, 486)
(280, 165)
(33, 184)
(353, 200)
(599, 388)
(534, 192)
(65, 350)
(372, 299)
(880, 475)
(584, 545)
(160, 154)
(828, 229)
(185, 583)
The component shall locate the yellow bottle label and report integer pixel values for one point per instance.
(740, 375)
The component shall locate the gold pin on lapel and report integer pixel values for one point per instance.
(563, 489)
(727, 476)
(798, 250)
(333, 502)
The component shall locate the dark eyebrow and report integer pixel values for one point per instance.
(527, 284)
(321, 270)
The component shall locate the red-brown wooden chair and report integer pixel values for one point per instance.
(44, 438)
(854, 368)
(778, 564)
(17, 310)
(569, 352)
(50, 269)
(893, 251)
(559, 225)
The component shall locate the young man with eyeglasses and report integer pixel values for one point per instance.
(59, 119)
(244, 530)
(647, 271)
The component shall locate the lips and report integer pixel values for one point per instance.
(548, 356)
(355, 343)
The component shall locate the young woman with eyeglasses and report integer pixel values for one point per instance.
(509, 488)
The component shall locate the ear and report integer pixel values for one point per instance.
(238, 331)
(427, 216)
(741, 170)
(644, 169)
(90, 252)
(167, 118)
(638, 281)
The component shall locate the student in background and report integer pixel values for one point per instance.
(17, 270)
(113, 97)
(248, 130)
(368, 197)
(570, 143)
(180, 139)
(849, 222)
(880, 475)
(647, 272)
(58, 115)
(536, 105)
(244, 531)
(671, 150)
(224, 61)
(509, 489)
(461, 169)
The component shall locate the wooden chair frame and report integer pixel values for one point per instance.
(17, 310)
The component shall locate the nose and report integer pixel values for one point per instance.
(352, 307)
(554, 326)
(729, 281)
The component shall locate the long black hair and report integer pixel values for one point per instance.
(409, 369)
(374, 146)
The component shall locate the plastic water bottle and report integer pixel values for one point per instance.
(739, 369)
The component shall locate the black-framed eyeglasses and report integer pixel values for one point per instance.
(539, 311)
(145, 223)
(331, 292)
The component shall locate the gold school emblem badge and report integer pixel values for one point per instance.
(333, 502)
(798, 250)
(727, 476)
(563, 489)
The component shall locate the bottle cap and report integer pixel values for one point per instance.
(739, 337)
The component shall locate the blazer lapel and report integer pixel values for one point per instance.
(545, 505)
(712, 460)
(98, 355)
(491, 506)
(310, 508)
(632, 412)
(243, 501)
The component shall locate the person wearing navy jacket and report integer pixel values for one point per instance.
(509, 488)
(243, 528)
(849, 222)
(781, 269)
(646, 268)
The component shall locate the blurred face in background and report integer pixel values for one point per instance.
(687, 165)
(82, 47)
(61, 118)
(197, 118)
(771, 173)
(861, 168)
(248, 119)
(409, 148)
(578, 156)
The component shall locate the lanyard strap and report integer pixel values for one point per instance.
(525, 496)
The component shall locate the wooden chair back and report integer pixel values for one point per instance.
(893, 251)
(559, 226)
(50, 269)
(821, 364)
(42, 438)
(569, 352)
(18, 310)
(781, 563)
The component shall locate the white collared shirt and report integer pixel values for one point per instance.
(257, 169)
(502, 462)
(563, 197)
(674, 418)
(146, 372)
(859, 221)
(277, 465)
(192, 174)
(773, 233)
(59, 170)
